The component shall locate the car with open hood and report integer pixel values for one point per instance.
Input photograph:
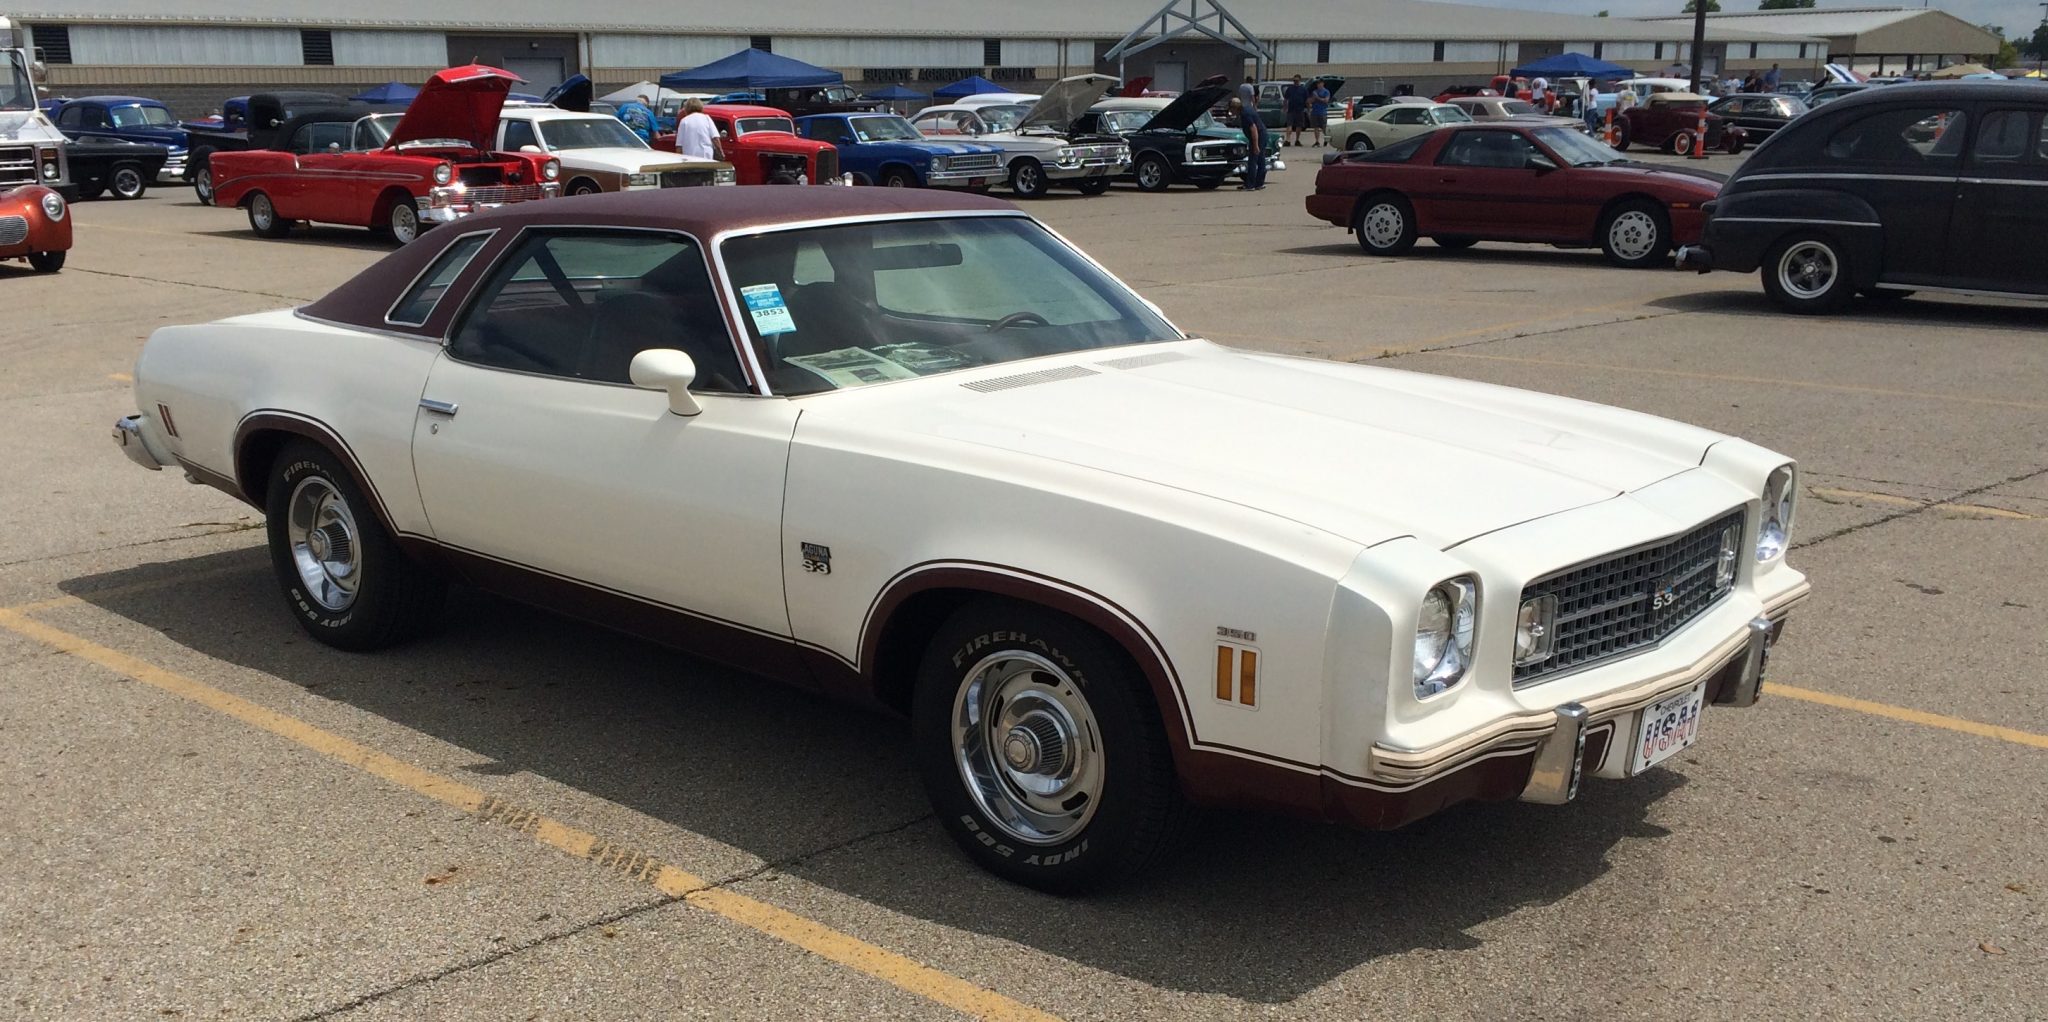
(911, 448)
(395, 173)
(1167, 139)
(1037, 137)
(1509, 181)
(885, 149)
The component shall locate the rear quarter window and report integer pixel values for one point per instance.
(1399, 152)
(1901, 138)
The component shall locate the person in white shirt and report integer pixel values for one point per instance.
(696, 133)
(1539, 92)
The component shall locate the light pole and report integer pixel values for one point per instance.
(1699, 42)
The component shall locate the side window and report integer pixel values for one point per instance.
(302, 140)
(1902, 138)
(2003, 137)
(831, 130)
(519, 134)
(581, 304)
(365, 138)
(1733, 106)
(96, 117)
(418, 304)
(70, 117)
(1497, 150)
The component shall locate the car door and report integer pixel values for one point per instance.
(534, 451)
(1491, 185)
(1397, 123)
(1998, 236)
(328, 186)
(1905, 161)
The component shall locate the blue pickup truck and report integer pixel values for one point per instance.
(129, 119)
(884, 149)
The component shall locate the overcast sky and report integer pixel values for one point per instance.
(2018, 16)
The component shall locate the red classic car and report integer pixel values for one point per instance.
(1671, 121)
(763, 147)
(35, 224)
(433, 166)
(1511, 182)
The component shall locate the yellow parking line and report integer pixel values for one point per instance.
(1845, 388)
(810, 935)
(120, 377)
(1893, 499)
(1911, 716)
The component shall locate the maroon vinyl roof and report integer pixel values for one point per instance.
(701, 212)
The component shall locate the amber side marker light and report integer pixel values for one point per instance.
(1237, 675)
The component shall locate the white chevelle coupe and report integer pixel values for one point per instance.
(913, 448)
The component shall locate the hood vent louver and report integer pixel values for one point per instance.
(1141, 361)
(1030, 379)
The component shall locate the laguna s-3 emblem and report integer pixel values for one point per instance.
(817, 558)
(1664, 595)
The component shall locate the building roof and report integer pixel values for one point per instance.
(1043, 19)
(1866, 29)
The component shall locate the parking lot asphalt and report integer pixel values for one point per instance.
(525, 817)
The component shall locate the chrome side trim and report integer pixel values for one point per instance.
(1939, 179)
(2024, 296)
(1793, 220)
(2004, 181)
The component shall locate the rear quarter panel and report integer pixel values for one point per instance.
(237, 174)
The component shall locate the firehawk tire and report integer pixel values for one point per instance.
(263, 218)
(1385, 225)
(1042, 749)
(343, 576)
(1027, 179)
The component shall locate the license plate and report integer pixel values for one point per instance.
(1668, 728)
(977, 182)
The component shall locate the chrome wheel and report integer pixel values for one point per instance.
(1808, 270)
(1151, 174)
(1359, 144)
(262, 215)
(202, 184)
(325, 544)
(1633, 235)
(1383, 225)
(1026, 743)
(128, 182)
(405, 222)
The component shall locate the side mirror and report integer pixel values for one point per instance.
(670, 370)
(1541, 164)
(529, 148)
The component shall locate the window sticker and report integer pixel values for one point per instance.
(764, 303)
(851, 367)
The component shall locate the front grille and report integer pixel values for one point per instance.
(13, 230)
(685, 178)
(1101, 155)
(495, 195)
(1631, 600)
(828, 165)
(17, 165)
(475, 176)
(974, 161)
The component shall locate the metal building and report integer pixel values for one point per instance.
(1874, 39)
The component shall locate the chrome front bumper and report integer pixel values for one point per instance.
(134, 443)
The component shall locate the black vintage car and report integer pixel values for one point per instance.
(1172, 140)
(267, 112)
(1928, 187)
(102, 165)
(1760, 114)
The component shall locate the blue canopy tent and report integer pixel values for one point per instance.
(751, 70)
(389, 93)
(970, 86)
(1572, 65)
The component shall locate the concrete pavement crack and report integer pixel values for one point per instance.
(187, 283)
(1954, 498)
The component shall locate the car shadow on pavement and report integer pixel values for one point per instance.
(1479, 255)
(1935, 310)
(345, 237)
(1252, 907)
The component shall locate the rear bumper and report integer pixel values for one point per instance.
(133, 440)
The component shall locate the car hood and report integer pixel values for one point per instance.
(1066, 101)
(1186, 109)
(625, 159)
(460, 102)
(933, 145)
(1364, 453)
(28, 126)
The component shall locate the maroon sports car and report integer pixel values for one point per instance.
(1509, 182)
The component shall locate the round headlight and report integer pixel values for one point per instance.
(50, 169)
(443, 173)
(53, 206)
(551, 169)
(1776, 532)
(1443, 634)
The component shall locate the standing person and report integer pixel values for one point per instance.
(1295, 99)
(1539, 92)
(638, 116)
(1771, 79)
(1319, 109)
(1589, 99)
(1248, 93)
(697, 133)
(1255, 141)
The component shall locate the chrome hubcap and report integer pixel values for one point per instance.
(1807, 270)
(325, 544)
(260, 211)
(1149, 174)
(1383, 225)
(404, 222)
(1359, 145)
(127, 182)
(1027, 746)
(1633, 234)
(1027, 179)
(205, 182)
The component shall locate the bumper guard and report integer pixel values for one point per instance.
(128, 436)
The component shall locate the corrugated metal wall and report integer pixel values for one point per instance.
(175, 45)
(384, 49)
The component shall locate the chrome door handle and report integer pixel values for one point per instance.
(438, 407)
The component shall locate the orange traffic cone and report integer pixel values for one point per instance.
(1699, 137)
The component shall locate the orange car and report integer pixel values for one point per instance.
(35, 224)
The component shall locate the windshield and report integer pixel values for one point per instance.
(749, 125)
(140, 117)
(1003, 118)
(1452, 115)
(884, 129)
(1125, 120)
(16, 92)
(1516, 107)
(837, 307)
(379, 126)
(1576, 148)
(588, 133)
